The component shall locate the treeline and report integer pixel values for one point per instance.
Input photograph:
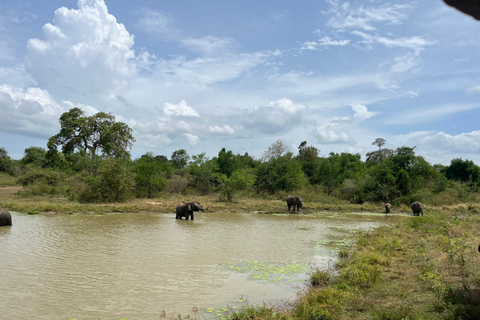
(400, 177)
(94, 165)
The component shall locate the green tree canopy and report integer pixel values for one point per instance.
(97, 133)
(462, 170)
(180, 158)
(151, 173)
(35, 156)
(280, 173)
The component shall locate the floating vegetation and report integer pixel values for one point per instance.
(345, 242)
(304, 228)
(269, 272)
(352, 229)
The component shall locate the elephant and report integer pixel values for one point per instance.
(5, 218)
(388, 206)
(294, 201)
(417, 208)
(185, 209)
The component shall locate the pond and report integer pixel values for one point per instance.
(142, 266)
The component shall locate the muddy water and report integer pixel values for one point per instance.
(138, 266)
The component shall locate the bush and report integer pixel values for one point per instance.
(113, 183)
(176, 184)
(49, 177)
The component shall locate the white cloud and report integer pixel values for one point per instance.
(181, 109)
(327, 134)
(83, 51)
(278, 117)
(442, 147)
(191, 138)
(221, 130)
(345, 16)
(32, 112)
(361, 112)
(324, 42)
(417, 44)
(335, 131)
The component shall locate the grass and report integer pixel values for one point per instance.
(11, 198)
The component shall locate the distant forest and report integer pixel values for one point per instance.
(89, 161)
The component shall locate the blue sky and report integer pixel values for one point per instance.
(206, 75)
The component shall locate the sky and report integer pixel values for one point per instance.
(240, 75)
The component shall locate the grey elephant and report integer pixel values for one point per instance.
(294, 201)
(388, 206)
(5, 218)
(185, 209)
(417, 208)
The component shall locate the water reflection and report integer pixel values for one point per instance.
(139, 265)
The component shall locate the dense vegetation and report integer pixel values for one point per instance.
(94, 165)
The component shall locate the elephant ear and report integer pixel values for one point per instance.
(189, 207)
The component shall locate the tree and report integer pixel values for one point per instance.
(180, 158)
(112, 183)
(378, 156)
(308, 157)
(280, 173)
(6, 163)
(277, 149)
(379, 142)
(204, 172)
(35, 156)
(151, 173)
(463, 171)
(97, 133)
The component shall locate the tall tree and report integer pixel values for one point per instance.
(97, 133)
(6, 163)
(379, 142)
(151, 173)
(276, 150)
(180, 158)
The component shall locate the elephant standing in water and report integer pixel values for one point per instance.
(186, 209)
(5, 218)
(417, 208)
(294, 201)
(388, 206)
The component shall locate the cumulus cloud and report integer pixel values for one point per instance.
(278, 117)
(221, 130)
(32, 112)
(335, 131)
(83, 51)
(181, 109)
(442, 146)
(329, 134)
